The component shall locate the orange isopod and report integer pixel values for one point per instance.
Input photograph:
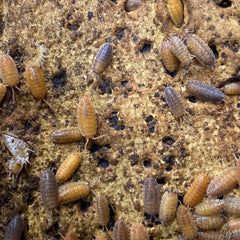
(210, 207)
(103, 212)
(68, 167)
(209, 222)
(138, 232)
(175, 9)
(196, 192)
(66, 135)
(2, 91)
(232, 88)
(186, 222)
(86, 118)
(71, 236)
(73, 191)
(223, 183)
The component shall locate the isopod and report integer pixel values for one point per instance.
(210, 207)
(2, 91)
(103, 212)
(170, 62)
(232, 88)
(175, 9)
(196, 192)
(232, 206)
(180, 50)
(201, 51)
(205, 91)
(150, 196)
(210, 235)
(66, 135)
(14, 229)
(68, 167)
(71, 236)
(233, 224)
(175, 104)
(132, 5)
(223, 183)
(86, 118)
(168, 207)
(238, 171)
(186, 222)
(138, 232)
(100, 236)
(103, 58)
(73, 191)
(209, 222)
(120, 231)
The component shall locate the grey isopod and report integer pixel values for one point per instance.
(14, 229)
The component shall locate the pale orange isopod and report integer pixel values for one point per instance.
(138, 232)
(210, 207)
(223, 183)
(196, 192)
(86, 118)
(175, 9)
(232, 206)
(68, 167)
(210, 235)
(66, 135)
(209, 222)
(233, 224)
(73, 191)
(100, 236)
(103, 212)
(232, 88)
(2, 91)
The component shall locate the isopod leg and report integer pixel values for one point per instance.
(50, 220)
(85, 147)
(190, 123)
(13, 95)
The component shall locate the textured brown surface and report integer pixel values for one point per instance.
(130, 90)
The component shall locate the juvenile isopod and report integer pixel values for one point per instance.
(71, 236)
(168, 207)
(132, 5)
(170, 62)
(73, 191)
(3, 89)
(66, 135)
(103, 212)
(196, 192)
(8, 72)
(201, 50)
(68, 167)
(14, 229)
(232, 206)
(180, 50)
(138, 232)
(186, 222)
(175, 104)
(210, 207)
(210, 235)
(175, 9)
(86, 118)
(222, 183)
(103, 58)
(232, 88)
(209, 222)
(205, 91)
(150, 196)
(120, 231)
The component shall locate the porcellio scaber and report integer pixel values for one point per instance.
(138, 232)
(210, 207)
(103, 212)
(120, 231)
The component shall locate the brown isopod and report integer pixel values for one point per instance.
(132, 5)
(3, 89)
(232, 206)
(175, 104)
(103, 212)
(68, 167)
(201, 51)
(232, 88)
(210, 207)
(196, 192)
(222, 183)
(71, 236)
(73, 191)
(170, 62)
(205, 91)
(186, 222)
(175, 9)
(209, 222)
(66, 135)
(120, 231)
(14, 229)
(233, 224)
(150, 196)
(180, 50)
(103, 58)
(210, 235)
(138, 232)
(168, 207)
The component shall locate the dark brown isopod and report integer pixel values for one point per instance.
(132, 5)
(103, 58)
(120, 231)
(14, 229)
(49, 190)
(67, 135)
(150, 196)
(205, 91)
(103, 213)
(201, 50)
